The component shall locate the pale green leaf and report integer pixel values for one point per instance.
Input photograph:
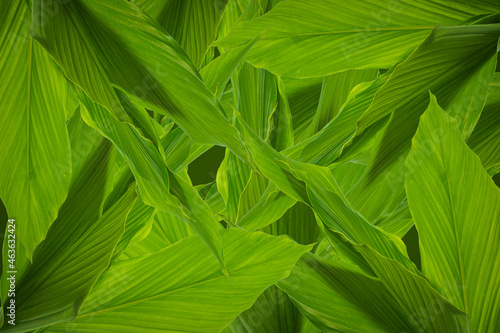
(35, 168)
(455, 205)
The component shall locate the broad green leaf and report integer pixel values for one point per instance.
(238, 11)
(161, 292)
(43, 301)
(428, 309)
(172, 228)
(347, 174)
(298, 222)
(254, 190)
(272, 312)
(193, 23)
(216, 202)
(121, 181)
(35, 169)
(234, 9)
(455, 205)
(313, 39)
(54, 286)
(336, 211)
(108, 37)
(84, 140)
(398, 222)
(265, 157)
(144, 159)
(262, 102)
(147, 126)
(342, 249)
(339, 297)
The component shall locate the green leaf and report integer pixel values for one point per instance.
(312, 39)
(161, 292)
(35, 169)
(273, 311)
(180, 150)
(485, 140)
(398, 222)
(77, 248)
(339, 297)
(218, 72)
(325, 146)
(193, 23)
(280, 122)
(303, 99)
(111, 36)
(234, 10)
(316, 186)
(455, 205)
(457, 64)
(232, 177)
(335, 210)
(271, 205)
(257, 97)
(138, 225)
(254, 191)
(335, 91)
(158, 186)
(165, 231)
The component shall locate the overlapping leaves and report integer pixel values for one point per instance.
(331, 138)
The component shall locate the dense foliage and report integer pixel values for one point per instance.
(345, 124)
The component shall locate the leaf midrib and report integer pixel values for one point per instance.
(28, 121)
(457, 239)
(335, 32)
